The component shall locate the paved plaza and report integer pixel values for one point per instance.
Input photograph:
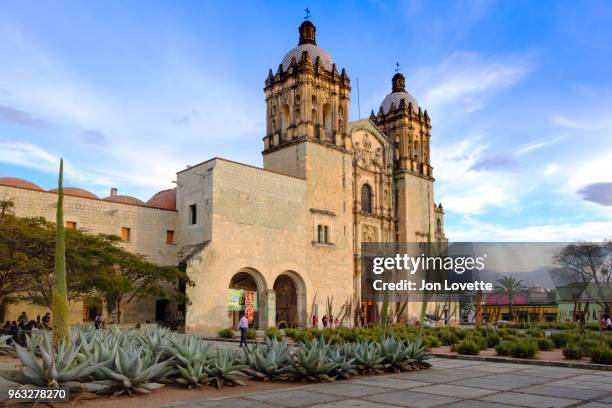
(450, 383)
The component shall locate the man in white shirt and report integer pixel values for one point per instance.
(243, 326)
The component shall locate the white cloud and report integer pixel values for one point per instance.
(565, 232)
(28, 155)
(465, 80)
(143, 148)
(535, 145)
(551, 169)
(464, 190)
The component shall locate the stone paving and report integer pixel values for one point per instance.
(450, 383)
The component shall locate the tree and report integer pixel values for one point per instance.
(589, 265)
(96, 266)
(509, 286)
(59, 295)
(132, 277)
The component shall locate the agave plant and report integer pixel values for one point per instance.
(341, 355)
(269, 361)
(368, 358)
(192, 357)
(225, 370)
(135, 371)
(418, 353)
(310, 363)
(5, 346)
(102, 353)
(189, 348)
(157, 339)
(395, 355)
(61, 366)
(193, 373)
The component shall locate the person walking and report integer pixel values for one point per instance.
(98, 321)
(243, 326)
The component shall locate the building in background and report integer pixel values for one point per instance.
(288, 234)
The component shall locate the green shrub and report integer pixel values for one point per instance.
(562, 338)
(227, 333)
(535, 332)
(291, 333)
(467, 347)
(251, 334)
(447, 337)
(273, 333)
(520, 348)
(493, 339)
(573, 351)
(503, 348)
(431, 341)
(544, 343)
(523, 348)
(601, 355)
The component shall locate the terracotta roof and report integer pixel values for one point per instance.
(17, 182)
(124, 200)
(164, 199)
(76, 192)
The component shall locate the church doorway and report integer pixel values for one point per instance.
(244, 297)
(290, 300)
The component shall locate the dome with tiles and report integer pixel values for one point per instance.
(308, 43)
(165, 199)
(123, 199)
(17, 182)
(76, 192)
(397, 95)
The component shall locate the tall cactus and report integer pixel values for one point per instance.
(59, 296)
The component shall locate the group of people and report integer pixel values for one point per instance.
(328, 321)
(605, 323)
(24, 324)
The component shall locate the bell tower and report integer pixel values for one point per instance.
(306, 100)
(409, 128)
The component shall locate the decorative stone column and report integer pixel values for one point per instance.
(268, 316)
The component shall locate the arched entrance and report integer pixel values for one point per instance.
(250, 286)
(290, 293)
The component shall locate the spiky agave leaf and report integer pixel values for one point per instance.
(56, 367)
(5, 346)
(418, 353)
(224, 370)
(135, 371)
(310, 363)
(346, 366)
(269, 361)
(368, 358)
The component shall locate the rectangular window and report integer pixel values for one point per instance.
(71, 225)
(125, 233)
(193, 214)
(169, 237)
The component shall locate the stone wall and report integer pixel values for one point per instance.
(257, 227)
(147, 225)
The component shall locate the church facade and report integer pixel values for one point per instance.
(290, 233)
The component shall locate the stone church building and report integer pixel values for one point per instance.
(290, 231)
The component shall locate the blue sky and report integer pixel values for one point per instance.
(520, 95)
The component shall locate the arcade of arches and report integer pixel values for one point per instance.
(286, 302)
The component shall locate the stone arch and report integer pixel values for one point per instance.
(252, 280)
(291, 307)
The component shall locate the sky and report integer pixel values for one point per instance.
(130, 92)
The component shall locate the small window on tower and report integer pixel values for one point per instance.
(193, 214)
(71, 225)
(169, 237)
(125, 233)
